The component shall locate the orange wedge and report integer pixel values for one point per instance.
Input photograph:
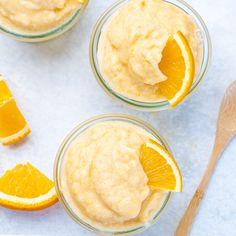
(177, 64)
(26, 188)
(5, 93)
(13, 126)
(160, 167)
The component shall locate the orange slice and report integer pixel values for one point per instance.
(26, 188)
(5, 93)
(177, 64)
(13, 126)
(160, 167)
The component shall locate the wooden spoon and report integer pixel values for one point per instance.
(226, 130)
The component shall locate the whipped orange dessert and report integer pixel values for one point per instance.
(36, 16)
(132, 43)
(103, 180)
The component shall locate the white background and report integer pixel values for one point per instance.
(56, 90)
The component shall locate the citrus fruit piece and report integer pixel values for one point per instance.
(177, 64)
(26, 188)
(160, 167)
(5, 93)
(13, 126)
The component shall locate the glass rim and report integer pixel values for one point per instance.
(59, 159)
(149, 106)
(49, 33)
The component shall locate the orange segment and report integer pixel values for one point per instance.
(11, 119)
(160, 167)
(5, 93)
(26, 188)
(177, 64)
(13, 126)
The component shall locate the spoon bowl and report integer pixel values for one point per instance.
(227, 115)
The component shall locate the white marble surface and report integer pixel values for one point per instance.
(56, 90)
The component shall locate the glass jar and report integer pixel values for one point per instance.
(149, 106)
(59, 161)
(45, 36)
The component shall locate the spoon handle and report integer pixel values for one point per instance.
(190, 213)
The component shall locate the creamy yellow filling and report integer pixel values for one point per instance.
(132, 42)
(36, 15)
(103, 180)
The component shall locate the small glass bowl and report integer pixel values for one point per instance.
(59, 161)
(148, 106)
(45, 36)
